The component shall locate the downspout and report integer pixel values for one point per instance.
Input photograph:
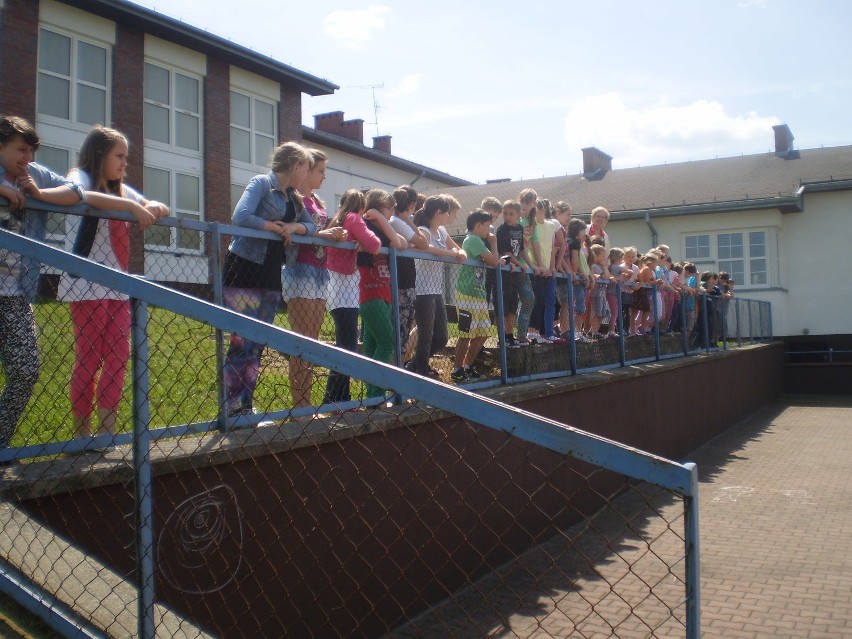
(422, 173)
(652, 228)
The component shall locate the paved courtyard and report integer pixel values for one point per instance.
(776, 532)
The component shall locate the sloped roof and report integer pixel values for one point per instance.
(192, 37)
(356, 148)
(745, 182)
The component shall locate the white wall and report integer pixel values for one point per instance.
(346, 171)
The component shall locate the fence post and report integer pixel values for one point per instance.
(143, 477)
(750, 323)
(619, 324)
(739, 327)
(693, 557)
(658, 347)
(218, 299)
(571, 328)
(683, 322)
(397, 335)
(501, 325)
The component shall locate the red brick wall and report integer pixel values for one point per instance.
(290, 115)
(217, 145)
(19, 58)
(128, 68)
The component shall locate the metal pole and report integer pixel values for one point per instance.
(658, 348)
(693, 557)
(397, 335)
(218, 299)
(571, 328)
(501, 325)
(143, 476)
(619, 323)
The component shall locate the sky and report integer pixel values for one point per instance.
(490, 89)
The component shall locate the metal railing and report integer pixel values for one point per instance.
(402, 514)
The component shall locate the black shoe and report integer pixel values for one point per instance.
(459, 375)
(472, 373)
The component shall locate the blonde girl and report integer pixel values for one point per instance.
(251, 274)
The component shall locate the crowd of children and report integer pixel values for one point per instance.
(560, 278)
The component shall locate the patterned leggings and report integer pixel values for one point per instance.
(242, 361)
(19, 355)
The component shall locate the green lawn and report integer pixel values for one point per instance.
(182, 375)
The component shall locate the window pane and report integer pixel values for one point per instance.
(156, 123)
(240, 110)
(157, 84)
(697, 247)
(189, 239)
(186, 130)
(188, 198)
(91, 63)
(236, 194)
(262, 150)
(157, 185)
(757, 244)
(240, 145)
(186, 93)
(53, 96)
(54, 159)
(734, 268)
(54, 52)
(158, 236)
(57, 161)
(758, 272)
(264, 117)
(91, 105)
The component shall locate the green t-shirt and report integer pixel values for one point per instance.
(472, 279)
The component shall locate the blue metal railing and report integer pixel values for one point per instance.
(563, 439)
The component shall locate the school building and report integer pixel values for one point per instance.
(780, 222)
(202, 114)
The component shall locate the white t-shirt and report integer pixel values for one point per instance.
(77, 289)
(430, 274)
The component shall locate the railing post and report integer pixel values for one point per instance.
(619, 324)
(769, 321)
(750, 323)
(705, 312)
(658, 348)
(501, 325)
(397, 335)
(143, 477)
(218, 299)
(571, 328)
(683, 323)
(693, 556)
(739, 327)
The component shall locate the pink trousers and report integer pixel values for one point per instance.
(101, 345)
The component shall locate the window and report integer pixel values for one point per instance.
(743, 254)
(72, 78)
(172, 111)
(183, 194)
(57, 160)
(253, 130)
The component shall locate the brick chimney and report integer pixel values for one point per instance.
(382, 143)
(784, 142)
(329, 122)
(596, 163)
(352, 129)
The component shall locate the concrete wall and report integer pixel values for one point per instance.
(349, 537)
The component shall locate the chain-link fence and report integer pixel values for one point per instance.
(198, 498)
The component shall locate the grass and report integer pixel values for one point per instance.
(182, 375)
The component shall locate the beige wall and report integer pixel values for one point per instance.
(346, 171)
(805, 250)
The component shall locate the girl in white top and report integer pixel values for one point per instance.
(101, 316)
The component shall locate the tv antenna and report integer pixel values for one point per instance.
(376, 105)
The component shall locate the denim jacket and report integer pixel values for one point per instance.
(263, 201)
(35, 227)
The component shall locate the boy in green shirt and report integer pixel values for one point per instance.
(474, 322)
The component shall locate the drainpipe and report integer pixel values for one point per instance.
(422, 173)
(651, 227)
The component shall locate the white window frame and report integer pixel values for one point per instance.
(72, 121)
(173, 248)
(713, 261)
(173, 111)
(254, 166)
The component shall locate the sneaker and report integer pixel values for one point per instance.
(459, 375)
(511, 342)
(472, 373)
(534, 338)
(555, 340)
(523, 342)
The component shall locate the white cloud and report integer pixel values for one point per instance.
(408, 84)
(354, 28)
(662, 132)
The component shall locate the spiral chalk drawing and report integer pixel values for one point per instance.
(199, 548)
